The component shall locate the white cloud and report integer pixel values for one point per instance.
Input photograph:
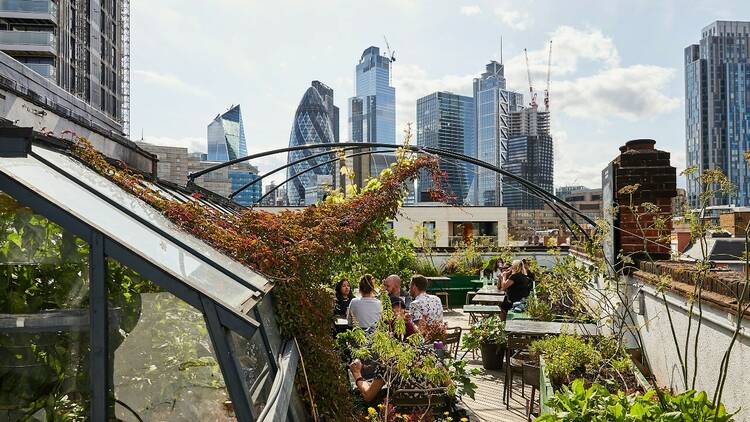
(471, 10)
(516, 19)
(631, 93)
(168, 81)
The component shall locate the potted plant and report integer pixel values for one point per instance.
(489, 336)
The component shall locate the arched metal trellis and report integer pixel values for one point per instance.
(555, 203)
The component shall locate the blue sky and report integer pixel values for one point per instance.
(617, 66)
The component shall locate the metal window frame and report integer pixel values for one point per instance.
(218, 319)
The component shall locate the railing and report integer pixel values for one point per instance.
(29, 6)
(31, 38)
(477, 240)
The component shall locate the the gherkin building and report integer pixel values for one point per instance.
(314, 123)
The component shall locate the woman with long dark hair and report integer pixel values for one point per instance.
(344, 296)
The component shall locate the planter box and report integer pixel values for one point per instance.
(546, 391)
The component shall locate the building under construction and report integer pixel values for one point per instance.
(83, 46)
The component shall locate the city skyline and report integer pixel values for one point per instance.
(609, 82)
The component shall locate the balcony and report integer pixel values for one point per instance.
(28, 42)
(485, 241)
(38, 11)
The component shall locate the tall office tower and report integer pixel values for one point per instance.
(493, 105)
(446, 120)
(312, 125)
(530, 156)
(83, 46)
(372, 112)
(326, 93)
(717, 108)
(226, 136)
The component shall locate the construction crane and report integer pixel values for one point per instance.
(549, 67)
(531, 86)
(390, 54)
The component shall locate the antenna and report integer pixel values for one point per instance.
(531, 87)
(549, 67)
(501, 49)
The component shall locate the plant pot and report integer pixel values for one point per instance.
(491, 357)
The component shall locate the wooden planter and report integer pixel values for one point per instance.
(546, 391)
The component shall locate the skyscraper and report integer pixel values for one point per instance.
(226, 136)
(717, 107)
(83, 46)
(530, 156)
(446, 120)
(372, 111)
(493, 105)
(312, 125)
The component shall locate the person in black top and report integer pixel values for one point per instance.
(343, 297)
(515, 284)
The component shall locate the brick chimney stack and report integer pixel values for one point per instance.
(640, 163)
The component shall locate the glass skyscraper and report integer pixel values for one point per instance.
(226, 136)
(250, 195)
(372, 112)
(493, 105)
(717, 107)
(446, 120)
(313, 124)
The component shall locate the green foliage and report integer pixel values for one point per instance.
(539, 310)
(465, 260)
(565, 356)
(382, 255)
(426, 268)
(487, 331)
(595, 404)
(564, 287)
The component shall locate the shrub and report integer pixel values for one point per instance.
(489, 330)
(539, 310)
(578, 403)
(566, 355)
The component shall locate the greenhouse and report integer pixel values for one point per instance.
(112, 309)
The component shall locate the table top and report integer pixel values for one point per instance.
(484, 309)
(438, 278)
(490, 299)
(490, 290)
(541, 328)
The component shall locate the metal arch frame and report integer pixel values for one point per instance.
(555, 203)
(278, 169)
(436, 151)
(333, 160)
(218, 320)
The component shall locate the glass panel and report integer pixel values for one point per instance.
(144, 211)
(44, 340)
(257, 373)
(123, 229)
(268, 323)
(165, 368)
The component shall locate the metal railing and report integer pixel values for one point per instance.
(35, 38)
(29, 6)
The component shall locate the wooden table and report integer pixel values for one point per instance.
(488, 299)
(521, 332)
(490, 290)
(533, 328)
(484, 310)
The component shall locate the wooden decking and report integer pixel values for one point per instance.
(488, 400)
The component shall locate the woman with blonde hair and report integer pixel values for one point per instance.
(515, 284)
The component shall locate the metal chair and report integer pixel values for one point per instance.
(515, 346)
(530, 376)
(452, 341)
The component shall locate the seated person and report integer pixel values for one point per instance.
(399, 311)
(343, 297)
(365, 311)
(515, 284)
(392, 285)
(372, 390)
(425, 306)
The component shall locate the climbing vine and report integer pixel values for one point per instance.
(297, 249)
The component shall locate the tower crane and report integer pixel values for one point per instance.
(531, 86)
(390, 54)
(549, 67)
